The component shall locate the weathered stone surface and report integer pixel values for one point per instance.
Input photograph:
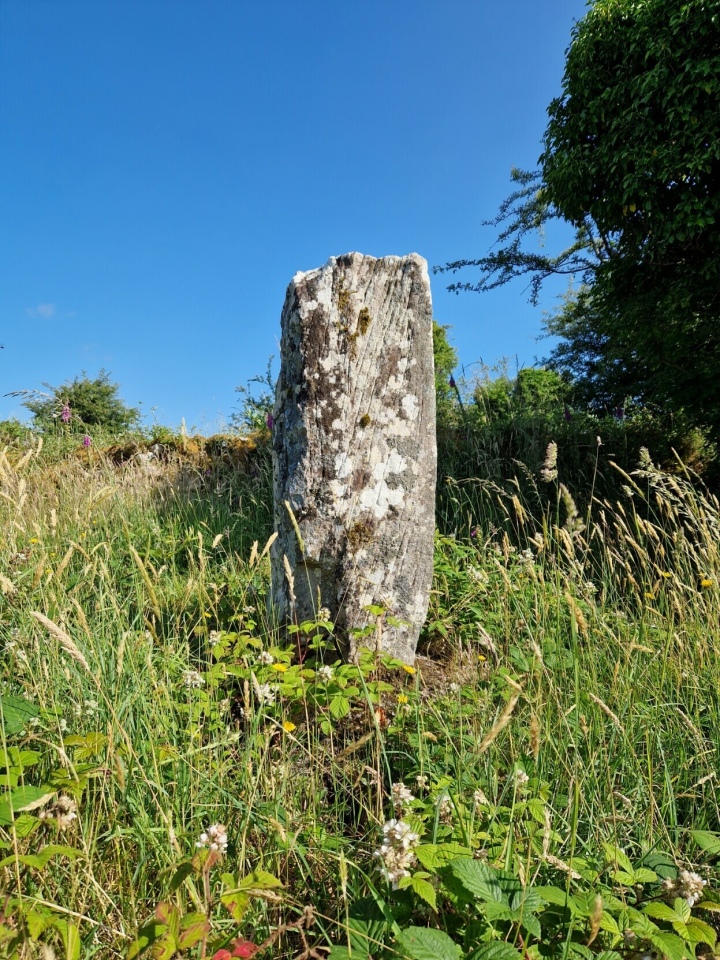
(354, 446)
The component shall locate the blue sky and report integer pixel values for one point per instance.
(166, 166)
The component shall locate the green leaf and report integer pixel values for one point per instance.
(339, 707)
(477, 878)
(181, 874)
(89, 745)
(16, 713)
(41, 859)
(707, 841)
(670, 945)
(23, 798)
(557, 897)
(422, 943)
(661, 911)
(193, 927)
(70, 934)
(435, 855)
(496, 950)
(258, 882)
(424, 890)
(700, 932)
(617, 856)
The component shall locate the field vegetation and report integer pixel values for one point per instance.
(181, 779)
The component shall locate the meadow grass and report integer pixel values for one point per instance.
(565, 698)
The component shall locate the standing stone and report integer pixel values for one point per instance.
(354, 448)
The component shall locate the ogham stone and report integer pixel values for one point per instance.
(354, 449)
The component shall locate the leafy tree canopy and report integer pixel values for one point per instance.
(83, 402)
(632, 160)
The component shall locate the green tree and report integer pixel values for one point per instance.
(81, 403)
(446, 360)
(632, 161)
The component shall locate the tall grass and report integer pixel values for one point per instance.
(585, 642)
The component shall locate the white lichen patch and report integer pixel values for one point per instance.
(410, 405)
(343, 465)
(380, 498)
(338, 490)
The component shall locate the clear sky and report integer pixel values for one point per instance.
(166, 166)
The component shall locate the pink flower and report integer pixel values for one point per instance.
(65, 414)
(87, 441)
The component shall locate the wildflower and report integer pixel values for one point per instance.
(454, 687)
(265, 693)
(63, 812)
(214, 838)
(63, 725)
(402, 698)
(193, 679)
(567, 413)
(288, 726)
(266, 659)
(325, 674)
(280, 667)
(687, 885)
(473, 532)
(705, 583)
(526, 556)
(86, 441)
(269, 421)
(401, 795)
(521, 778)
(396, 851)
(548, 471)
(323, 614)
(451, 382)
(422, 781)
(65, 413)
(224, 705)
(480, 799)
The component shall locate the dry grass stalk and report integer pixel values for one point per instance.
(65, 641)
(606, 709)
(502, 722)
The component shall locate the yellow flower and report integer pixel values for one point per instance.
(481, 658)
(206, 614)
(280, 667)
(668, 576)
(34, 540)
(402, 698)
(705, 582)
(408, 669)
(288, 726)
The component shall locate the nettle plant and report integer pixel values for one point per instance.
(468, 880)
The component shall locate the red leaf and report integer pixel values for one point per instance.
(244, 948)
(222, 955)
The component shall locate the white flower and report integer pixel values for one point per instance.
(480, 799)
(193, 679)
(214, 838)
(687, 885)
(323, 614)
(265, 693)
(401, 795)
(325, 674)
(521, 778)
(422, 781)
(266, 658)
(396, 851)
